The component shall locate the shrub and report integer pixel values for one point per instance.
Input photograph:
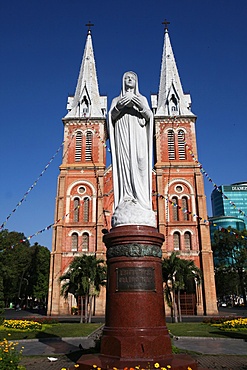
(219, 319)
(43, 320)
(9, 356)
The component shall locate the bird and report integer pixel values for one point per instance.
(52, 359)
(80, 346)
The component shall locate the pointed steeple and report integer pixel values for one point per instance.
(87, 102)
(171, 99)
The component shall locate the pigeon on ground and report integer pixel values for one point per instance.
(52, 359)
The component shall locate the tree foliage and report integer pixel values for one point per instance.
(24, 269)
(230, 259)
(84, 277)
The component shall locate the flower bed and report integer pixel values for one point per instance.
(9, 356)
(22, 325)
(234, 324)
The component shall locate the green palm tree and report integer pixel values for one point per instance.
(176, 274)
(84, 277)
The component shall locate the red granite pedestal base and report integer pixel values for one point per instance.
(135, 331)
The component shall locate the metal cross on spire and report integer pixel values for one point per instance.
(166, 24)
(89, 25)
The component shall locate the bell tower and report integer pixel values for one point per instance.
(181, 201)
(79, 212)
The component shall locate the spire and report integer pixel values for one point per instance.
(87, 102)
(171, 99)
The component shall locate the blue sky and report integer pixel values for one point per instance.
(41, 47)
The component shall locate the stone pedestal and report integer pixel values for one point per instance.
(135, 330)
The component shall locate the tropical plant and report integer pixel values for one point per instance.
(177, 273)
(84, 277)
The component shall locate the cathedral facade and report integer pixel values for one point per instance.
(84, 201)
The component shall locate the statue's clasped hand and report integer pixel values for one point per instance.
(129, 100)
(124, 102)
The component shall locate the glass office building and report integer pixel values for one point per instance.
(231, 201)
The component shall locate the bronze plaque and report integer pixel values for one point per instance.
(135, 279)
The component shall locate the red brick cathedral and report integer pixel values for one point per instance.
(84, 202)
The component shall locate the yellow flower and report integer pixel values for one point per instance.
(76, 365)
(168, 366)
(63, 368)
(156, 365)
(189, 368)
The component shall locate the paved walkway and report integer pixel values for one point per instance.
(57, 346)
(213, 346)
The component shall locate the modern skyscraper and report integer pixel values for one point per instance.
(230, 200)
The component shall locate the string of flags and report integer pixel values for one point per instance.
(206, 174)
(35, 183)
(224, 230)
(184, 210)
(108, 149)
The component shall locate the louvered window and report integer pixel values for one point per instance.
(187, 240)
(89, 139)
(176, 241)
(171, 144)
(78, 145)
(181, 144)
(74, 237)
(185, 209)
(85, 242)
(86, 210)
(76, 209)
(175, 209)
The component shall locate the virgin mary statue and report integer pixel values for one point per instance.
(130, 128)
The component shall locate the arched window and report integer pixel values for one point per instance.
(86, 209)
(74, 241)
(171, 144)
(76, 209)
(185, 208)
(175, 209)
(78, 144)
(181, 144)
(89, 139)
(176, 241)
(85, 242)
(187, 240)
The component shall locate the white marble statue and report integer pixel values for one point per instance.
(130, 128)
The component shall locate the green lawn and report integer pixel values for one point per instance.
(79, 330)
(51, 331)
(196, 329)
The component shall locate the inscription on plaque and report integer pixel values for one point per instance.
(135, 279)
